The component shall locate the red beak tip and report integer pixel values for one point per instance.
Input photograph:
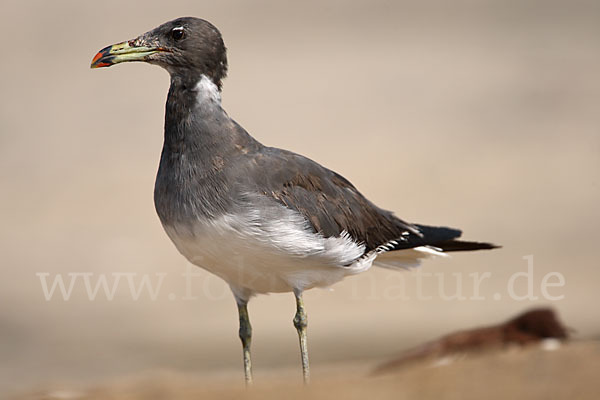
(97, 57)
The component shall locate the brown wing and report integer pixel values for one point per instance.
(330, 203)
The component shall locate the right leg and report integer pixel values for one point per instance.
(245, 336)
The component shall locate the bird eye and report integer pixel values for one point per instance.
(177, 33)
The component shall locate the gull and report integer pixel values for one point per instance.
(263, 219)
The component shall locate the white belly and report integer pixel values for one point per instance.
(255, 254)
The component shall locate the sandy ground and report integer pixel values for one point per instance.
(536, 372)
(478, 115)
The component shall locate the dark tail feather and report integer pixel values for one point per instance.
(446, 239)
(460, 245)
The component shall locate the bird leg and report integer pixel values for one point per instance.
(301, 322)
(246, 337)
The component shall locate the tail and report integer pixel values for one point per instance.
(434, 241)
(461, 245)
(445, 239)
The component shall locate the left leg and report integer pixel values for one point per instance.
(301, 322)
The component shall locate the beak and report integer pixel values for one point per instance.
(122, 52)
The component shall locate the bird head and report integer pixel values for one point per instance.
(186, 47)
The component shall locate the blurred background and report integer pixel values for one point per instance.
(481, 115)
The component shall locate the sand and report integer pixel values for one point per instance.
(535, 372)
